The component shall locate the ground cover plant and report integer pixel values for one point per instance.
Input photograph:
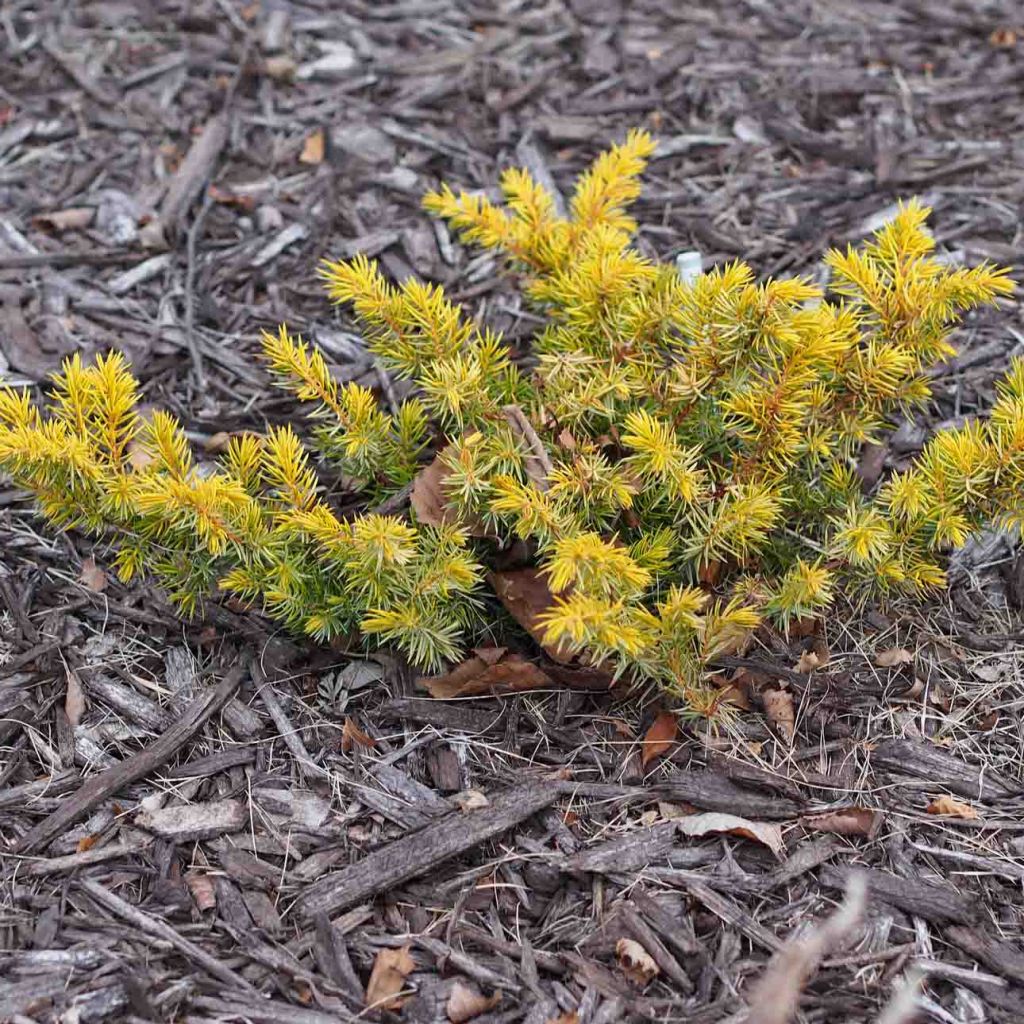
(677, 458)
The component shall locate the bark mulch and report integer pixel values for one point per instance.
(207, 822)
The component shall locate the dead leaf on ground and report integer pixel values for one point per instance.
(735, 689)
(87, 843)
(431, 504)
(488, 671)
(471, 800)
(715, 823)
(229, 197)
(660, 737)
(390, 969)
(465, 1003)
(949, 805)
(569, 1017)
(92, 577)
(846, 821)
(893, 657)
(202, 888)
(778, 707)
(74, 699)
(313, 148)
(351, 735)
(809, 661)
(72, 219)
(526, 596)
(636, 963)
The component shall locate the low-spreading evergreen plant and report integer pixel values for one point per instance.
(677, 455)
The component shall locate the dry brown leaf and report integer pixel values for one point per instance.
(229, 197)
(807, 662)
(431, 504)
(659, 737)
(893, 657)
(735, 689)
(636, 963)
(846, 821)
(526, 596)
(74, 699)
(949, 805)
(778, 707)
(714, 822)
(92, 577)
(1003, 38)
(465, 1003)
(72, 219)
(471, 800)
(487, 673)
(201, 886)
(390, 969)
(351, 735)
(86, 843)
(313, 148)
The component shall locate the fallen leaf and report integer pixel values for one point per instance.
(893, 656)
(482, 674)
(526, 596)
(86, 843)
(846, 821)
(778, 707)
(714, 823)
(201, 886)
(465, 1003)
(280, 68)
(92, 577)
(351, 735)
(139, 458)
(471, 800)
(951, 806)
(672, 812)
(73, 219)
(313, 148)
(735, 689)
(390, 969)
(74, 699)
(636, 963)
(659, 737)
(807, 662)
(229, 197)
(431, 504)
(1003, 38)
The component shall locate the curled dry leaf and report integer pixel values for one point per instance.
(74, 699)
(465, 1003)
(471, 800)
(351, 735)
(893, 657)
(713, 822)
(846, 821)
(809, 661)
(660, 737)
(949, 805)
(490, 670)
(313, 148)
(92, 577)
(390, 969)
(202, 888)
(735, 689)
(636, 963)
(72, 219)
(778, 707)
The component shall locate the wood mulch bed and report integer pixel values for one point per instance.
(208, 822)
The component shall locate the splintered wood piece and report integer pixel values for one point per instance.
(932, 902)
(925, 761)
(417, 854)
(133, 768)
(184, 824)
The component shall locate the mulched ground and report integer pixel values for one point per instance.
(191, 833)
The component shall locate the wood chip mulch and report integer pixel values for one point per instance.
(206, 822)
